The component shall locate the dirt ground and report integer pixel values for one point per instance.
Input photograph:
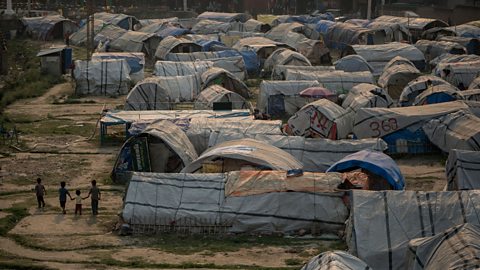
(59, 143)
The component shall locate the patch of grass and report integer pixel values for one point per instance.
(16, 213)
(56, 126)
(15, 264)
(293, 262)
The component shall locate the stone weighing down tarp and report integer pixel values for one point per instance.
(462, 170)
(382, 223)
(216, 93)
(335, 260)
(202, 200)
(171, 68)
(455, 248)
(316, 155)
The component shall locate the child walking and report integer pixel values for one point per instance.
(63, 192)
(78, 202)
(96, 196)
(40, 191)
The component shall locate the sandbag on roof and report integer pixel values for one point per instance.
(396, 77)
(216, 93)
(382, 223)
(321, 118)
(455, 248)
(285, 56)
(437, 94)
(379, 55)
(282, 97)
(136, 62)
(462, 169)
(175, 45)
(220, 76)
(134, 41)
(338, 81)
(335, 260)
(171, 68)
(124, 21)
(49, 27)
(108, 77)
(246, 152)
(416, 87)
(460, 74)
(432, 49)
(279, 71)
(458, 130)
(352, 63)
(203, 200)
(224, 17)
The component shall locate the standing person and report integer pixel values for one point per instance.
(63, 192)
(96, 196)
(78, 202)
(40, 191)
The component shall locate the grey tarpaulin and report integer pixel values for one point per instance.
(216, 93)
(335, 260)
(452, 58)
(226, 79)
(459, 74)
(396, 76)
(171, 68)
(352, 63)
(416, 87)
(172, 44)
(136, 62)
(285, 56)
(462, 170)
(437, 94)
(279, 72)
(135, 41)
(151, 92)
(432, 49)
(382, 223)
(472, 94)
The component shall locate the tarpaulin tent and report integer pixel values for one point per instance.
(459, 74)
(393, 31)
(374, 161)
(416, 87)
(321, 118)
(220, 76)
(175, 45)
(213, 200)
(108, 77)
(382, 223)
(250, 26)
(79, 37)
(475, 83)
(216, 93)
(454, 248)
(280, 98)
(107, 34)
(234, 155)
(136, 62)
(352, 63)
(379, 55)
(149, 94)
(416, 26)
(261, 45)
(316, 155)
(335, 260)
(458, 130)
(471, 94)
(49, 27)
(207, 27)
(161, 147)
(471, 44)
(466, 30)
(437, 94)
(279, 71)
(462, 169)
(171, 68)
(134, 41)
(395, 77)
(339, 81)
(318, 93)
(341, 35)
(451, 58)
(437, 32)
(124, 21)
(285, 56)
(432, 49)
(224, 17)
(154, 25)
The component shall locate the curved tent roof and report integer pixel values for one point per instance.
(124, 21)
(432, 49)
(136, 62)
(452, 58)
(466, 30)
(148, 94)
(108, 33)
(471, 94)
(341, 35)
(393, 31)
(414, 24)
(375, 162)
(398, 60)
(416, 87)
(396, 77)
(249, 151)
(171, 68)
(437, 94)
(134, 41)
(475, 83)
(251, 25)
(279, 72)
(220, 76)
(462, 169)
(224, 17)
(216, 93)
(79, 37)
(175, 45)
(471, 44)
(257, 43)
(49, 27)
(207, 27)
(321, 118)
(285, 56)
(158, 26)
(459, 74)
(335, 260)
(352, 63)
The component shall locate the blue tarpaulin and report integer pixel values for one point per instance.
(375, 162)
(249, 57)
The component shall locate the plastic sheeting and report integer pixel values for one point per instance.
(200, 200)
(224, 17)
(396, 77)
(472, 95)
(216, 93)
(220, 76)
(437, 94)
(352, 63)
(337, 81)
(136, 62)
(279, 71)
(335, 260)
(285, 57)
(316, 154)
(432, 49)
(170, 44)
(106, 77)
(124, 21)
(134, 41)
(171, 68)
(382, 223)
(49, 27)
(475, 83)
(462, 170)
(460, 74)
(416, 87)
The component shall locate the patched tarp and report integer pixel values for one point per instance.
(124, 21)
(432, 49)
(279, 71)
(171, 68)
(134, 41)
(108, 77)
(458, 130)
(248, 151)
(462, 170)
(175, 45)
(438, 94)
(216, 93)
(335, 260)
(316, 155)
(416, 87)
(337, 81)
(460, 74)
(200, 200)
(455, 248)
(396, 77)
(49, 27)
(285, 56)
(382, 223)
(352, 63)
(220, 76)
(282, 97)
(321, 118)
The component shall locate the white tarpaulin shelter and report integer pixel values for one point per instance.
(452, 58)
(216, 93)
(337, 81)
(282, 97)
(416, 87)
(285, 56)
(395, 77)
(335, 260)
(438, 94)
(321, 118)
(475, 83)
(316, 154)
(432, 49)
(149, 94)
(226, 79)
(352, 63)
(462, 170)
(458, 130)
(108, 77)
(382, 223)
(455, 248)
(135, 41)
(279, 72)
(136, 62)
(220, 200)
(171, 68)
(175, 45)
(245, 152)
(459, 74)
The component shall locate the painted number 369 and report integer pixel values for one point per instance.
(386, 125)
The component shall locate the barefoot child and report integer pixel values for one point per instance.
(63, 192)
(40, 191)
